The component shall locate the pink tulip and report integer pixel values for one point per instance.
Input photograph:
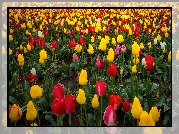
(112, 130)
(152, 36)
(68, 31)
(109, 116)
(98, 62)
(109, 29)
(117, 50)
(75, 57)
(123, 48)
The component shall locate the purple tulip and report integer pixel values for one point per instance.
(16, 54)
(20, 78)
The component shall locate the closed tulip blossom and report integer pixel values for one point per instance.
(15, 112)
(136, 108)
(155, 113)
(81, 98)
(117, 50)
(126, 106)
(58, 106)
(123, 48)
(149, 62)
(83, 78)
(110, 56)
(58, 91)
(75, 57)
(31, 111)
(53, 45)
(36, 92)
(70, 104)
(115, 101)
(71, 43)
(135, 48)
(112, 70)
(146, 119)
(109, 116)
(95, 102)
(100, 63)
(90, 49)
(100, 88)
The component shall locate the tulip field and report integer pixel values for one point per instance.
(89, 67)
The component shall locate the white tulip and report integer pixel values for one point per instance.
(39, 33)
(143, 61)
(162, 44)
(155, 41)
(33, 71)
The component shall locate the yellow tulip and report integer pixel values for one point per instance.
(41, 61)
(135, 48)
(10, 38)
(146, 119)
(155, 113)
(29, 47)
(92, 39)
(34, 124)
(136, 108)
(110, 56)
(78, 48)
(25, 50)
(136, 61)
(120, 39)
(90, 49)
(81, 98)
(31, 111)
(20, 58)
(35, 92)
(159, 37)
(11, 31)
(43, 54)
(10, 51)
(83, 78)
(113, 41)
(166, 35)
(102, 45)
(95, 102)
(21, 47)
(15, 112)
(141, 45)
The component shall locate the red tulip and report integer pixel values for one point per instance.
(104, 32)
(45, 32)
(40, 42)
(58, 106)
(140, 52)
(91, 29)
(70, 104)
(149, 62)
(109, 116)
(31, 39)
(112, 130)
(71, 43)
(82, 40)
(102, 65)
(112, 70)
(72, 33)
(53, 45)
(100, 88)
(58, 92)
(115, 101)
(82, 31)
(18, 26)
(126, 106)
(56, 36)
(31, 78)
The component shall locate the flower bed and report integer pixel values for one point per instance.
(99, 67)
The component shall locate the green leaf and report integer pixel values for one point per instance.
(81, 121)
(38, 70)
(13, 100)
(160, 101)
(146, 106)
(90, 120)
(43, 101)
(50, 119)
(27, 86)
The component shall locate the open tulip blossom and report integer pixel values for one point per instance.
(90, 66)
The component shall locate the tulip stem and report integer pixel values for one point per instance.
(81, 112)
(121, 79)
(57, 121)
(101, 110)
(137, 122)
(70, 119)
(123, 58)
(38, 119)
(61, 122)
(15, 123)
(86, 116)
